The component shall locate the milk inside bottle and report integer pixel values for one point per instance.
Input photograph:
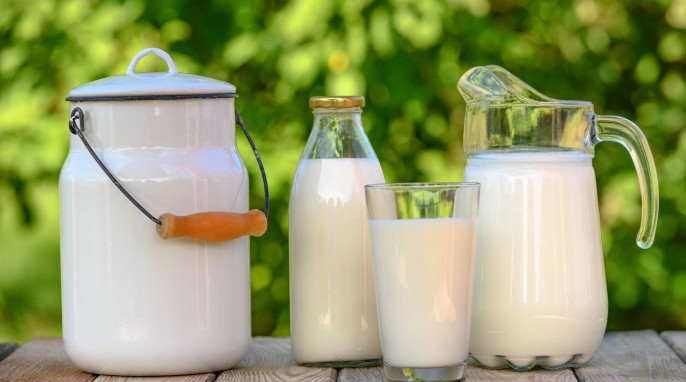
(333, 302)
(539, 290)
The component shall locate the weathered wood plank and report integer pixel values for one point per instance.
(633, 356)
(376, 374)
(7, 349)
(367, 374)
(270, 359)
(268, 351)
(41, 359)
(475, 373)
(677, 341)
(278, 373)
(209, 377)
(264, 352)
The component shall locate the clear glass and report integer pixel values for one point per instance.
(333, 300)
(423, 244)
(505, 115)
(539, 296)
(338, 133)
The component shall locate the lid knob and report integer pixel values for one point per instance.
(131, 71)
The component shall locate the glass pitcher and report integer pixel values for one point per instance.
(540, 296)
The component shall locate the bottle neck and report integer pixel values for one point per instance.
(338, 118)
(338, 133)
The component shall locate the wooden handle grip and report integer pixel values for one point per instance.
(213, 226)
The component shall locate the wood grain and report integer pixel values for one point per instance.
(370, 374)
(677, 341)
(41, 359)
(633, 356)
(475, 373)
(278, 373)
(7, 349)
(209, 377)
(268, 351)
(270, 359)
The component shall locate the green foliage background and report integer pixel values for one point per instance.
(626, 57)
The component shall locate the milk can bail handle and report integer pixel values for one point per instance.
(74, 128)
(156, 51)
(259, 161)
(77, 113)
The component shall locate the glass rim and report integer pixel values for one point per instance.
(421, 185)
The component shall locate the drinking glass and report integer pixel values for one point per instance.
(423, 244)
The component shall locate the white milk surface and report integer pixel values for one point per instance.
(134, 303)
(424, 270)
(333, 302)
(539, 287)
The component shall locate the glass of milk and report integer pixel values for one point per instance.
(423, 243)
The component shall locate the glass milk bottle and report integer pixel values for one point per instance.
(333, 301)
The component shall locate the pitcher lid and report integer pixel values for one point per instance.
(140, 86)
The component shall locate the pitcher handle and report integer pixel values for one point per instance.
(621, 130)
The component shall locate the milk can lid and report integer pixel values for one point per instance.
(139, 86)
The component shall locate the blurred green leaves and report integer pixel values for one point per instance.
(627, 57)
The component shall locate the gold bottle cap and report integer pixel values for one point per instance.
(336, 102)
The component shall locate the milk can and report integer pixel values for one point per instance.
(146, 149)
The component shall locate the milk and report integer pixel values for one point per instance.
(539, 287)
(333, 303)
(133, 303)
(424, 276)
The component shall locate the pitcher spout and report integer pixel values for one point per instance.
(505, 114)
(494, 85)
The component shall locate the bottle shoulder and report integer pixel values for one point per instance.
(334, 177)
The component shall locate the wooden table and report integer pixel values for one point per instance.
(623, 356)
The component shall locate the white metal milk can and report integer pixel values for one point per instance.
(145, 146)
